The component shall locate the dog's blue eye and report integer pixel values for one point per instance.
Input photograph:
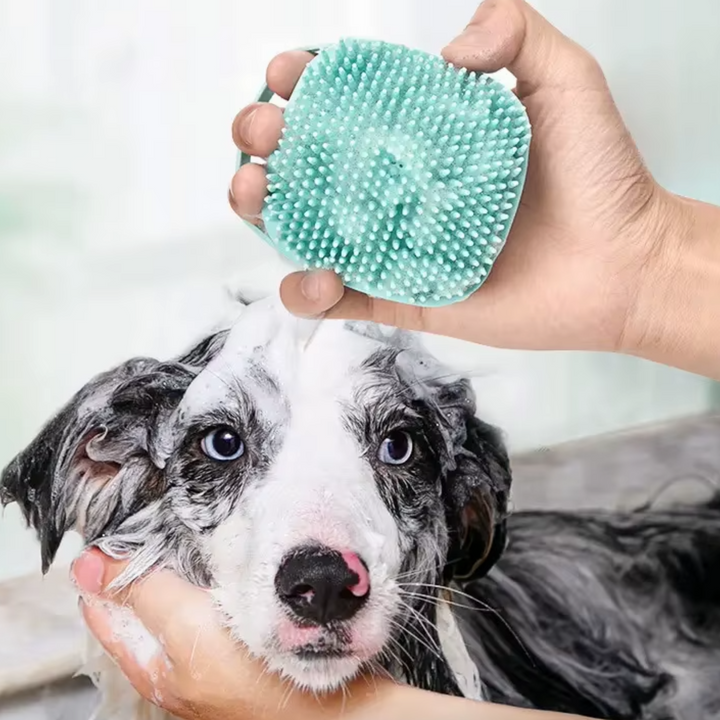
(396, 448)
(223, 444)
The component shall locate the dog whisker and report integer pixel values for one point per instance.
(426, 622)
(483, 607)
(441, 588)
(436, 601)
(428, 643)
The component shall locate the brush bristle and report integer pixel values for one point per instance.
(397, 171)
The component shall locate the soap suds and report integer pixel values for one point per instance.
(127, 628)
(456, 653)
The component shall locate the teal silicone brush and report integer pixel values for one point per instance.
(397, 171)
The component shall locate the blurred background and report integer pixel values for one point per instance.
(116, 237)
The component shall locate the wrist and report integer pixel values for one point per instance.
(675, 319)
(393, 702)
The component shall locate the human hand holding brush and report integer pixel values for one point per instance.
(599, 257)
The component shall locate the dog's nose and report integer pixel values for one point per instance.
(322, 585)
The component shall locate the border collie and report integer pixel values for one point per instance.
(331, 483)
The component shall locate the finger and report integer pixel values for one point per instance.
(511, 34)
(143, 676)
(285, 70)
(88, 570)
(247, 192)
(167, 605)
(257, 129)
(311, 294)
(321, 292)
(357, 306)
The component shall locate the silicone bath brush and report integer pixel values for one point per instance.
(396, 170)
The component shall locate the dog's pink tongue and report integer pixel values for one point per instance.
(362, 587)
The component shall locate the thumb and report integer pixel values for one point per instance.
(311, 294)
(320, 293)
(511, 34)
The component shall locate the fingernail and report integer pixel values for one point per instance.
(245, 128)
(87, 571)
(310, 287)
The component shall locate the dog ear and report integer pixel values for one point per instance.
(96, 462)
(475, 469)
(476, 487)
(99, 460)
(480, 486)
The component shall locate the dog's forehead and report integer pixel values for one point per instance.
(270, 351)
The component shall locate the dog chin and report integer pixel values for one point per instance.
(317, 673)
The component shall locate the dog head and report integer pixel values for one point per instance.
(324, 479)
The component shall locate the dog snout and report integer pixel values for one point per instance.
(321, 585)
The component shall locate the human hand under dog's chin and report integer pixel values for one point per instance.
(198, 672)
(581, 258)
(195, 659)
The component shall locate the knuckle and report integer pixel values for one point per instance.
(185, 693)
(587, 66)
(396, 315)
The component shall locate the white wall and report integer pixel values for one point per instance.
(662, 59)
(115, 154)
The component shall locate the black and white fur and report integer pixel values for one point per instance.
(607, 615)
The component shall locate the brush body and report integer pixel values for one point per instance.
(398, 171)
